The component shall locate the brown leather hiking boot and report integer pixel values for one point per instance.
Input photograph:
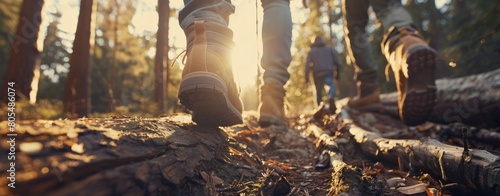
(207, 86)
(413, 63)
(367, 98)
(332, 107)
(324, 109)
(271, 106)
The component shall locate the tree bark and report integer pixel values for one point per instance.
(114, 59)
(77, 91)
(167, 50)
(24, 62)
(117, 156)
(472, 100)
(477, 169)
(161, 40)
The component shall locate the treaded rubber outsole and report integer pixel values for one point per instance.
(420, 94)
(206, 96)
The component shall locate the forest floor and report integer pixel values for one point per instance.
(170, 155)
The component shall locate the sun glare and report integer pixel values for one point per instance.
(245, 23)
(245, 57)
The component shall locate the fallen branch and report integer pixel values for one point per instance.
(346, 179)
(477, 169)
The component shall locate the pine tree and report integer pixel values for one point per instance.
(9, 13)
(54, 60)
(122, 74)
(23, 67)
(473, 36)
(161, 56)
(77, 91)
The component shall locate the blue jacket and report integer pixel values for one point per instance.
(322, 60)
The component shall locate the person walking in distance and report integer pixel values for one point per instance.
(325, 66)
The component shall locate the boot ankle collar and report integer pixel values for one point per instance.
(394, 34)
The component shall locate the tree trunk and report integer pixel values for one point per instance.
(24, 58)
(167, 50)
(112, 73)
(472, 100)
(77, 91)
(161, 40)
(132, 156)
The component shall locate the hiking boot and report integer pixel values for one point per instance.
(368, 96)
(207, 86)
(271, 106)
(332, 107)
(320, 112)
(413, 63)
(324, 109)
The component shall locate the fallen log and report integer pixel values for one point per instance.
(123, 155)
(478, 134)
(472, 100)
(477, 169)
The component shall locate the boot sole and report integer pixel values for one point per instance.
(420, 95)
(206, 95)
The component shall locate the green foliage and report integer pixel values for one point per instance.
(54, 62)
(123, 73)
(9, 10)
(55, 55)
(120, 71)
(43, 109)
(473, 37)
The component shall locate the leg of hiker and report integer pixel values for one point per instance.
(276, 57)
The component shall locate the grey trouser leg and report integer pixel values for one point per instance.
(276, 40)
(216, 11)
(355, 21)
(389, 12)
